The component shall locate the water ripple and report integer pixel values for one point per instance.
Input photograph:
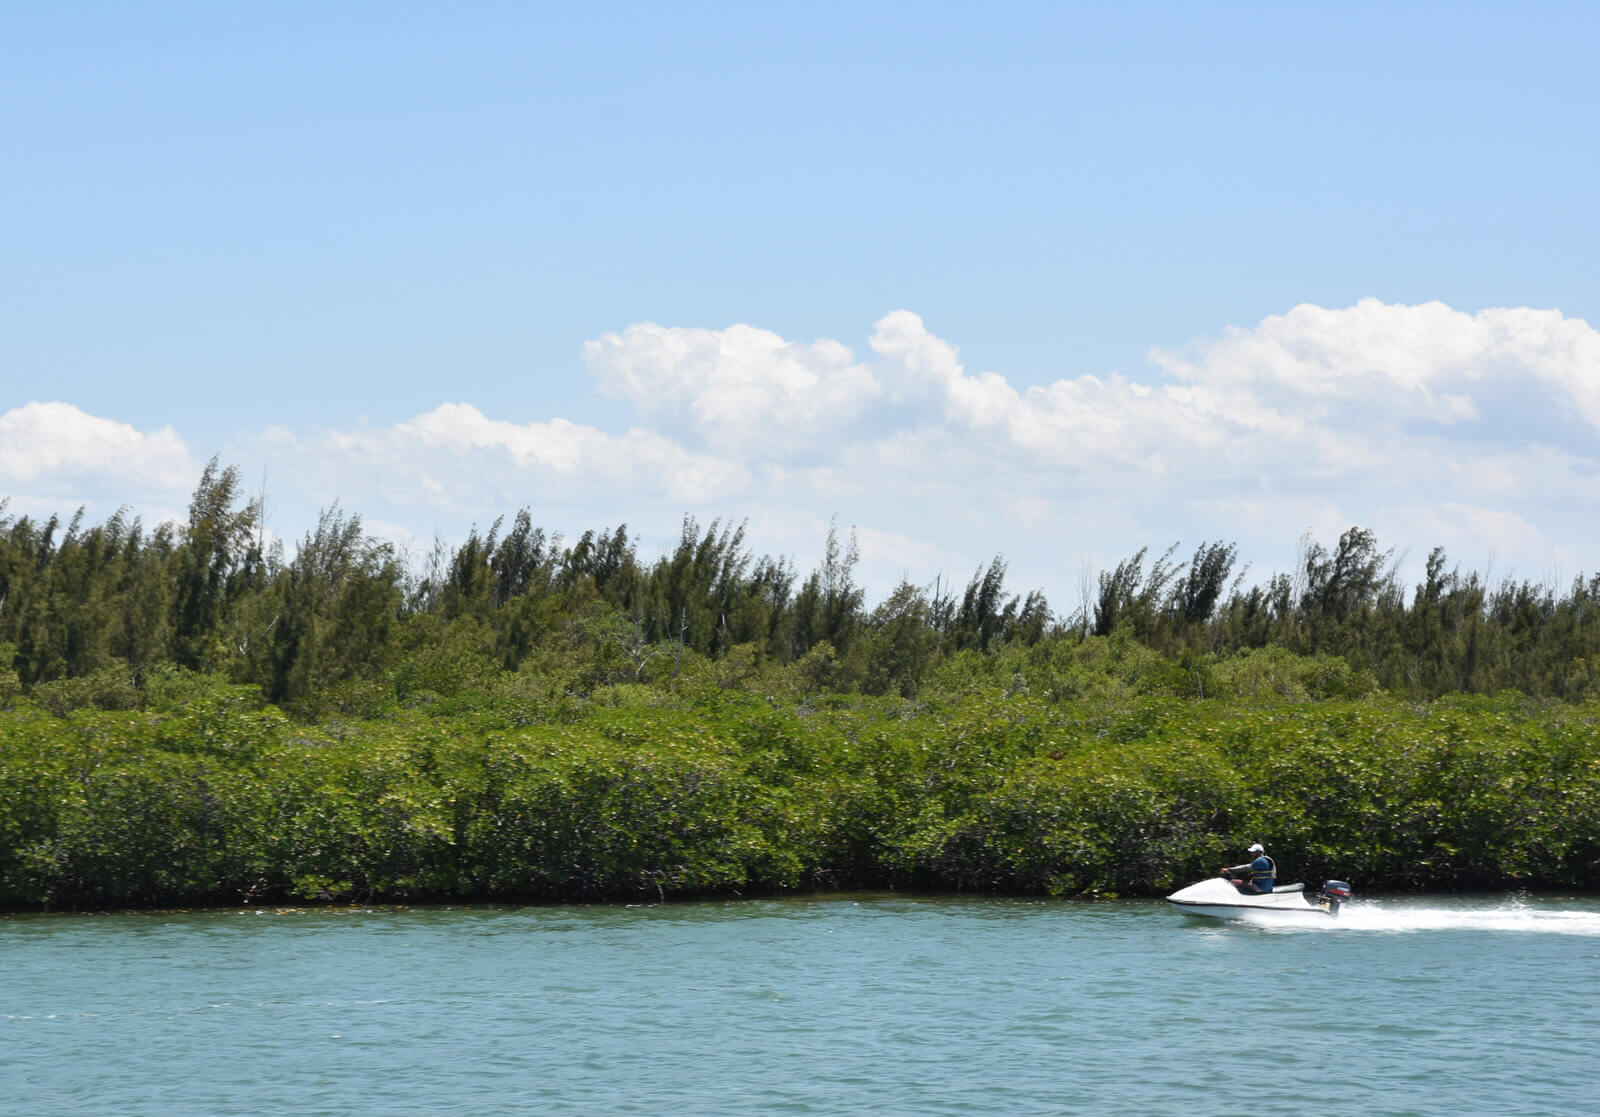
(887, 1004)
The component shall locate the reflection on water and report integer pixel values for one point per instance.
(823, 1004)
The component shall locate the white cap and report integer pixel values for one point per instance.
(1257, 848)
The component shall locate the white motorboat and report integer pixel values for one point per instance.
(1219, 899)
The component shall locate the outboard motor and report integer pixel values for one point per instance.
(1334, 894)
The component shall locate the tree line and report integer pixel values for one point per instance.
(98, 610)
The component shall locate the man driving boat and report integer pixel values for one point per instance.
(1253, 876)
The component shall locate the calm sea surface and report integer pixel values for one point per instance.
(854, 1004)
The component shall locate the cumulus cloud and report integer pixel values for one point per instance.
(1367, 391)
(1432, 425)
(1426, 362)
(55, 446)
(1085, 424)
(455, 456)
(742, 388)
(1310, 420)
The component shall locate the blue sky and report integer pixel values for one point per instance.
(1054, 281)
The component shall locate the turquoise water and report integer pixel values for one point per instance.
(881, 1004)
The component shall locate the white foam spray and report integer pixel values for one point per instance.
(1512, 916)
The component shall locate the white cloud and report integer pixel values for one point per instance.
(1089, 424)
(54, 447)
(1425, 362)
(1497, 542)
(917, 560)
(405, 541)
(455, 456)
(741, 388)
(1429, 424)
(1368, 394)
(1314, 420)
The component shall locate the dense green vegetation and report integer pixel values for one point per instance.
(186, 716)
(223, 800)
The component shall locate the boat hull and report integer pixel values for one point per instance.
(1219, 899)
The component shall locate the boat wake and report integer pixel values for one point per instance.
(1516, 917)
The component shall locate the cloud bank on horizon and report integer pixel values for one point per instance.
(1433, 426)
